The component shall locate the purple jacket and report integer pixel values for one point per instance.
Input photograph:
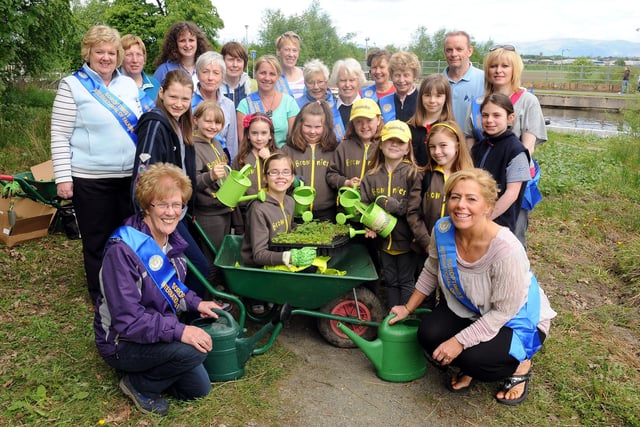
(130, 306)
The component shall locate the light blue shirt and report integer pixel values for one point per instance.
(470, 86)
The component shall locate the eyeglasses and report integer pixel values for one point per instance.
(273, 173)
(316, 83)
(508, 47)
(164, 206)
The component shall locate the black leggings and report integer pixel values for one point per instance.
(486, 361)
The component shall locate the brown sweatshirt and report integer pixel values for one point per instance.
(208, 154)
(265, 220)
(396, 185)
(350, 159)
(311, 167)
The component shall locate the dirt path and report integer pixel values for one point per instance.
(339, 387)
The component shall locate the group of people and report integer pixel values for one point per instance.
(136, 153)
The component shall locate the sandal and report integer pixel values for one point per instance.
(459, 375)
(511, 382)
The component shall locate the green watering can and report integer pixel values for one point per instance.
(304, 197)
(225, 362)
(347, 198)
(396, 353)
(376, 218)
(233, 187)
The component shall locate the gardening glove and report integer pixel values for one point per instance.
(302, 257)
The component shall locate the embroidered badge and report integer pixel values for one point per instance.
(368, 93)
(444, 225)
(155, 262)
(386, 108)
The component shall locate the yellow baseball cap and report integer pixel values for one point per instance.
(365, 107)
(396, 129)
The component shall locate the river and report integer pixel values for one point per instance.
(588, 121)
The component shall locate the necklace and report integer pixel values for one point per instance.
(269, 109)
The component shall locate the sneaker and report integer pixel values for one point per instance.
(147, 405)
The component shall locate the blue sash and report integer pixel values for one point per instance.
(282, 85)
(156, 263)
(532, 196)
(255, 103)
(370, 92)
(145, 101)
(388, 107)
(476, 117)
(127, 119)
(525, 341)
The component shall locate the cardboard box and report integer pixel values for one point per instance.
(32, 221)
(32, 218)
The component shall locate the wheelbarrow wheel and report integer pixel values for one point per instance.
(369, 307)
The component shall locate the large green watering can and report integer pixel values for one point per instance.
(376, 218)
(231, 350)
(233, 187)
(304, 196)
(396, 353)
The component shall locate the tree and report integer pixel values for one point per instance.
(421, 43)
(148, 19)
(319, 37)
(33, 36)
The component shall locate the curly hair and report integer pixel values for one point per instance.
(160, 181)
(405, 61)
(99, 34)
(169, 51)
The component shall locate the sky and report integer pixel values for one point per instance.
(395, 21)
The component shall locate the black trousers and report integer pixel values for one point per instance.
(101, 206)
(487, 361)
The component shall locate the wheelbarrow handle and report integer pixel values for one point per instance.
(6, 178)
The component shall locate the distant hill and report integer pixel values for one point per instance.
(581, 47)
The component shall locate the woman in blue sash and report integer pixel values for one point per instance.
(492, 317)
(288, 50)
(316, 78)
(93, 143)
(278, 106)
(142, 294)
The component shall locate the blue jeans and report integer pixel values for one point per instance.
(174, 368)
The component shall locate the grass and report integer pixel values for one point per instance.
(584, 245)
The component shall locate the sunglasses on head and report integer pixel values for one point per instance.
(291, 34)
(508, 47)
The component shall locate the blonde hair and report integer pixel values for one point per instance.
(160, 181)
(101, 34)
(289, 36)
(129, 40)
(488, 185)
(268, 59)
(209, 105)
(509, 56)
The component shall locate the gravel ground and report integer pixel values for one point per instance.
(338, 387)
